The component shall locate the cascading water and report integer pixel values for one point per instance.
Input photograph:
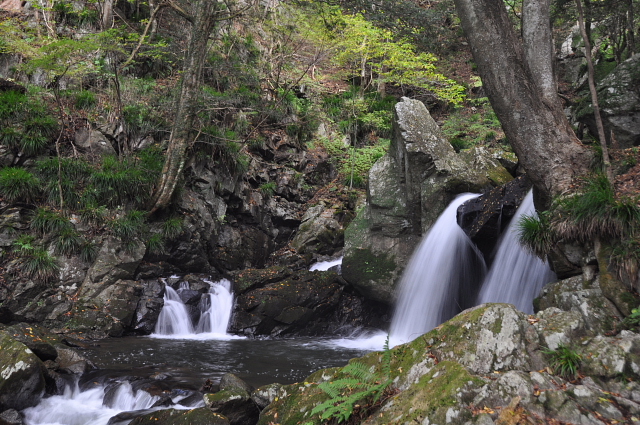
(76, 407)
(441, 274)
(516, 276)
(215, 311)
(215, 308)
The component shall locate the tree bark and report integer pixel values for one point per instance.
(521, 89)
(204, 19)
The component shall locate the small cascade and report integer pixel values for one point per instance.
(76, 407)
(440, 278)
(323, 266)
(215, 312)
(174, 318)
(215, 308)
(516, 276)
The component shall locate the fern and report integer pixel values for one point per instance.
(362, 387)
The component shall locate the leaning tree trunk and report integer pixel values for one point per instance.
(519, 81)
(204, 19)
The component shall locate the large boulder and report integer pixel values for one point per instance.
(408, 189)
(198, 416)
(299, 303)
(22, 375)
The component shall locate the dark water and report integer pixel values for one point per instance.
(191, 362)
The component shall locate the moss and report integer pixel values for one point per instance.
(371, 266)
(499, 175)
(432, 396)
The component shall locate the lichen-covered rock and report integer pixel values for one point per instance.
(39, 340)
(611, 357)
(229, 381)
(584, 296)
(267, 394)
(22, 375)
(198, 416)
(557, 327)
(149, 307)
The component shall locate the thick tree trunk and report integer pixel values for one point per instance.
(521, 88)
(204, 19)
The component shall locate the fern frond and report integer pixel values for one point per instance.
(360, 371)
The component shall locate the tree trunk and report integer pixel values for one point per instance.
(204, 19)
(521, 88)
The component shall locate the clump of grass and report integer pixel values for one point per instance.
(172, 227)
(35, 262)
(596, 211)
(564, 361)
(67, 242)
(46, 221)
(268, 189)
(536, 234)
(18, 184)
(130, 226)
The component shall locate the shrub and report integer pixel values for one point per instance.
(84, 99)
(18, 184)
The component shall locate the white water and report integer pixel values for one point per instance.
(325, 265)
(434, 282)
(75, 407)
(215, 312)
(516, 276)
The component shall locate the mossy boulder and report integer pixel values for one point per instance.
(22, 375)
(234, 404)
(199, 416)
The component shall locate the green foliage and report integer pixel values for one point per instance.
(85, 99)
(536, 234)
(67, 242)
(564, 361)
(632, 321)
(596, 211)
(155, 244)
(26, 124)
(357, 42)
(465, 131)
(172, 228)
(46, 221)
(354, 163)
(361, 386)
(129, 226)
(88, 251)
(35, 262)
(268, 189)
(18, 184)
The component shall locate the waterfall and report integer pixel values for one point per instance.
(215, 311)
(516, 276)
(174, 318)
(215, 308)
(440, 278)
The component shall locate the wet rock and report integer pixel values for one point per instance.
(198, 416)
(11, 417)
(71, 361)
(235, 404)
(149, 307)
(229, 381)
(22, 375)
(484, 218)
(292, 305)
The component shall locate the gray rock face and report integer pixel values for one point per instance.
(408, 189)
(619, 100)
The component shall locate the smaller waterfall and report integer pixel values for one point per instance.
(215, 312)
(439, 278)
(516, 276)
(325, 265)
(215, 308)
(174, 318)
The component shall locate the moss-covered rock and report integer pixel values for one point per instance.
(22, 375)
